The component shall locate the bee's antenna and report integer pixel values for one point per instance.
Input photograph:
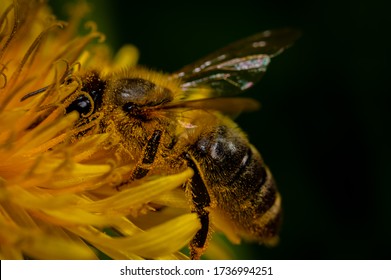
(38, 91)
(69, 71)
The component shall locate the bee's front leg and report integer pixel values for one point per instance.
(148, 157)
(143, 166)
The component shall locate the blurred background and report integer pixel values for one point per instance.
(324, 126)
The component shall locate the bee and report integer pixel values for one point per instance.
(167, 123)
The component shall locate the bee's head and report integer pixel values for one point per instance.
(136, 93)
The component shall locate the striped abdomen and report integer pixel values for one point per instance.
(232, 182)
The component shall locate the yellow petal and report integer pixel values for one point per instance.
(168, 237)
(56, 248)
(158, 241)
(135, 197)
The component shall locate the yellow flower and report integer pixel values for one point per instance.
(58, 196)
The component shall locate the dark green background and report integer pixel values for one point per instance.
(325, 119)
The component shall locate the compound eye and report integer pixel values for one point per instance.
(81, 104)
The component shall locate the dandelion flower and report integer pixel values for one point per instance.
(58, 195)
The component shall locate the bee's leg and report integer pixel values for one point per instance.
(201, 200)
(149, 155)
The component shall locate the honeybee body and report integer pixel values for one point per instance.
(162, 125)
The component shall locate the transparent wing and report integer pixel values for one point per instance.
(238, 66)
(230, 106)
